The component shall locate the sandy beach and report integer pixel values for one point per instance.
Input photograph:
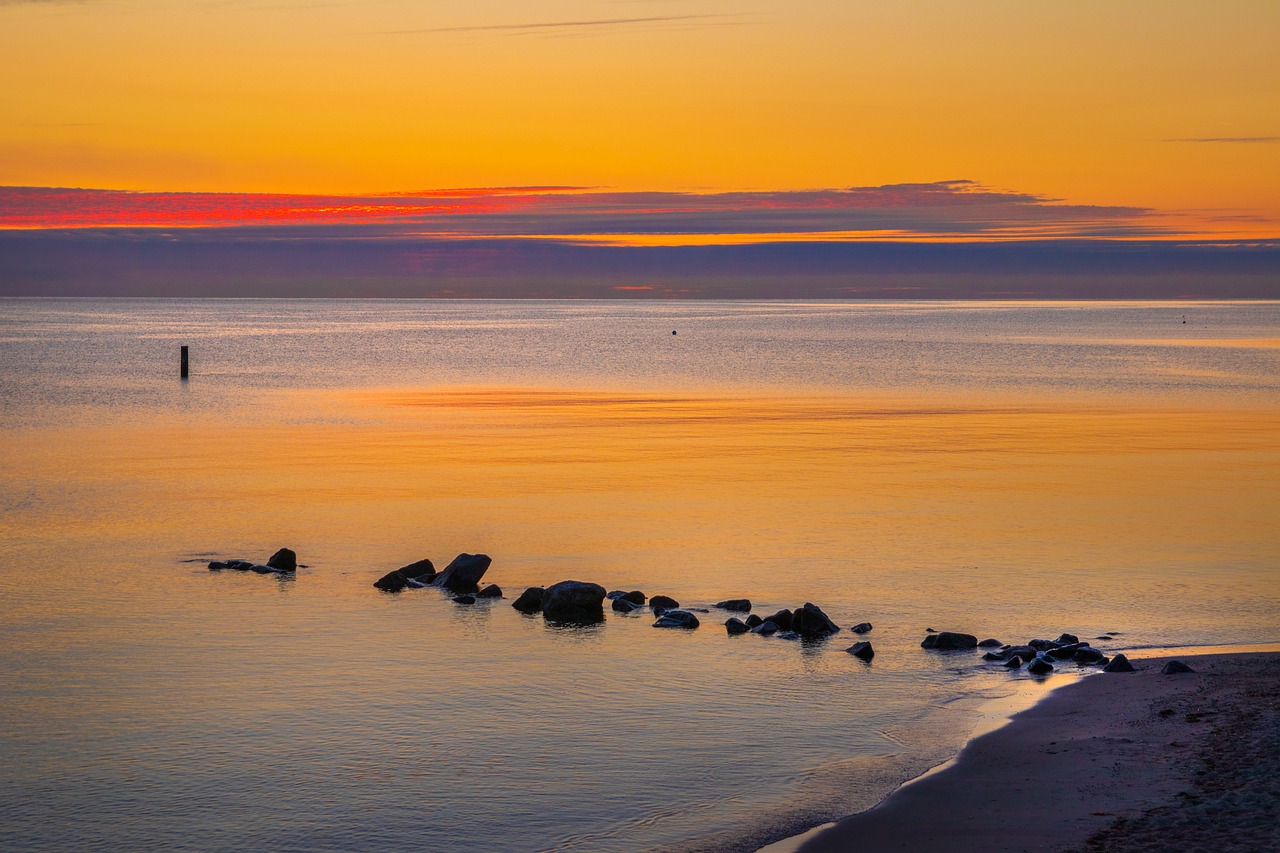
(1140, 761)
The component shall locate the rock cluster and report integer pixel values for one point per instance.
(282, 562)
(1039, 656)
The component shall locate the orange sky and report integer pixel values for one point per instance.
(1090, 102)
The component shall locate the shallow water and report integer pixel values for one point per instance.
(1012, 470)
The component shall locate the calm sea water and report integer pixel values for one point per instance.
(1009, 470)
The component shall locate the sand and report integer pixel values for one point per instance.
(1115, 762)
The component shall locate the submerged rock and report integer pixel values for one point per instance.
(734, 625)
(421, 570)
(1067, 639)
(284, 560)
(530, 601)
(676, 619)
(464, 573)
(574, 601)
(738, 605)
(635, 597)
(1014, 662)
(663, 602)
(217, 566)
(861, 628)
(1119, 663)
(989, 643)
(1040, 666)
(993, 656)
(765, 628)
(1086, 655)
(490, 591)
(1175, 667)
(391, 582)
(862, 650)
(464, 599)
(622, 605)
(949, 641)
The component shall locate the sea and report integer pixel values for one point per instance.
(1011, 470)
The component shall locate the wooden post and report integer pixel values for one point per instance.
(184, 362)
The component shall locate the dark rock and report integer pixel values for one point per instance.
(765, 628)
(490, 591)
(809, 621)
(949, 641)
(1066, 652)
(861, 628)
(414, 583)
(623, 606)
(862, 650)
(530, 601)
(664, 602)
(1175, 667)
(788, 635)
(614, 594)
(1024, 652)
(782, 619)
(1119, 663)
(1041, 645)
(1040, 666)
(464, 573)
(464, 599)
(391, 582)
(635, 597)
(1084, 654)
(989, 643)
(698, 609)
(930, 630)
(421, 570)
(1103, 637)
(676, 619)
(753, 620)
(217, 566)
(284, 560)
(1014, 662)
(574, 601)
(993, 656)
(239, 565)
(734, 625)
(266, 570)
(1067, 639)
(738, 605)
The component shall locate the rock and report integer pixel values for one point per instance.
(391, 582)
(989, 643)
(1066, 652)
(490, 591)
(782, 619)
(623, 606)
(676, 619)
(697, 609)
(530, 601)
(765, 628)
(1067, 639)
(239, 565)
(949, 641)
(861, 628)
(787, 635)
(421, 570)
(930, 630)
(414, 583)
(217, 566)
(464, 599)
(267, 570)
(1040, 666)
(734, 625)
(614, 594)
(1084, 654)
(862, 650)
(464, 573)
(753, 620)
(635, 597)
(574, 601)
(1041, 645)
(993, 656)
(1014, 662)
(1103, 637)
(284, 560)
(1175, 667)
(1024, 652)
(809, 621)
(738, 605)
(663, 602)
(1119, 663)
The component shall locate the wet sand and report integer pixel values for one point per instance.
(1136, 762)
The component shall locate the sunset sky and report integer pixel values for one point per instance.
(647, 122)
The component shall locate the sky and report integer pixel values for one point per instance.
(640, 123)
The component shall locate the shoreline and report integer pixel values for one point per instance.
(1087, 758)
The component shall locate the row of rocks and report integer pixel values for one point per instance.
(281, 562)
(1039, 656)
(461, 577)
(807, 622)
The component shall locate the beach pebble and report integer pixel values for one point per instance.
(464, 573)
(391, 582)
(663, 602)
(1040, 666)
(738, 605)
(1175, 667)
(862, 651)
(530, 601)
(1119, 663)
(490, 591)
(574, 601)
(734, 625)
(676, 619)
(861, 628)
(949, 641)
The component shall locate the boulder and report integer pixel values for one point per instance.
(421, 570)
(464, 573)
(1067, 639)
(809, 621)
(530, 601)
(1014, 662)
(782, 619)
(1084, 654)
(676, 619)
(1119, 663)
(765, 628)
(1042, 645)
(1175, 667)
(993, 656)
(464, 599)
(737, 605)
(217, 566)
(1066, 652)
(734, 625)
(663, 602)
(753, 620)
(989, 643)
(1024, 652)
(622, 605)
(861, 628)
(862, 650)
(490, 591)
(391, 582)
(1040, 666)
(635, 597)
(284, 560)
(949, 641)
(574, 601)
